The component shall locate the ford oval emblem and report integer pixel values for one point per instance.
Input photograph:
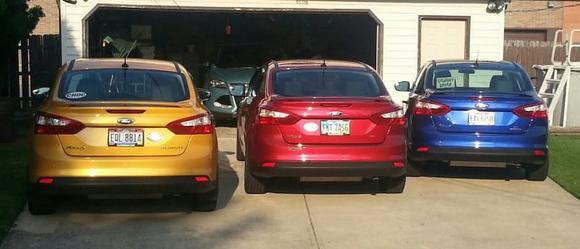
(335, 114)
(125, 121)
(481, 106)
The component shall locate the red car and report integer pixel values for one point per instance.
(315, 118)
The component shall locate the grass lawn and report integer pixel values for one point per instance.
(13, 163)
(565, 162)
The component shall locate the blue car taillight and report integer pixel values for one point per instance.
(532, 111)
(425, 107)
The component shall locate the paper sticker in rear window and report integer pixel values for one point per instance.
(75, 95)
(445, 83)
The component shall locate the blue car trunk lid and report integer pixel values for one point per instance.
(485, 113)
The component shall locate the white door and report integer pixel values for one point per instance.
(442, 39)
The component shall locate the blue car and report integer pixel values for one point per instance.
(461, 112)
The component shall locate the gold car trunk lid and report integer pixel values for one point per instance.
(125, 131)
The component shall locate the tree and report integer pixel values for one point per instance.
(17, 21)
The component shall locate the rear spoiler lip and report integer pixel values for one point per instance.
(474, 93)
(124, 104)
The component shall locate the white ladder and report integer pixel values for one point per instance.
(557, 78)
(553, 87)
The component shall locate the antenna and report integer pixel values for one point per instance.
(323, 55)
(477, 59)
(125, 65)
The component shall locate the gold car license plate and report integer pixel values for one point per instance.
(125, 137)
(481, 118)
(335, 127)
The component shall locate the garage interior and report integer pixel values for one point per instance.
(194, 38)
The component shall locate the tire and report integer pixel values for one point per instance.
(206, 202)
(40, 204)
(414, 168)
(253, 184)
(392, 185)
(239, 154)
(537, 172)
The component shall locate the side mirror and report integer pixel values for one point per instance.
(403, 86)
(203, 94)
(41, 92)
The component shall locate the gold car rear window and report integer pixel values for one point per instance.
(123, 85)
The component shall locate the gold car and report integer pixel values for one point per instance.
(110, 126)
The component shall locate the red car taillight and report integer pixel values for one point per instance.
(430, 108)
(50, 124)
(269, 117)
(396, 117)
(535, 110)
(199, 124)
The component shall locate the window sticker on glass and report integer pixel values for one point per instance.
(75, 95)
(445, 83)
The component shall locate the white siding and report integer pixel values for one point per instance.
(399, 19)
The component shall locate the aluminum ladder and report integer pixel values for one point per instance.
(557, 78)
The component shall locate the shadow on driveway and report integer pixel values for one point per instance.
(294, 186)
(507, 173)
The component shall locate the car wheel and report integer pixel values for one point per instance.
(414, 168)
(40, 204)
(537, 172)
(206, 202)
(394, 185)
(239, 154)
(253, 184)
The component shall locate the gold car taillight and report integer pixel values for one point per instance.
(50, 124)
(199, 124)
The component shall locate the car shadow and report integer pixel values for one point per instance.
(112, 204)
(506, 173)
(294, 186)
(226, 123)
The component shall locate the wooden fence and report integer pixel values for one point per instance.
(39, 59)
(529, 53)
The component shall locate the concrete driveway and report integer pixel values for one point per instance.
(457, 208)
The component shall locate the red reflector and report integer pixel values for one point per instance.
(539, 153)
(201, 179)
(399, 164)
(269, 164)
(46, 181)
(422, 149)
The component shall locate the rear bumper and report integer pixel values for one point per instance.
(478, 155)
(122, 185)
(49, 160)
(297, 169)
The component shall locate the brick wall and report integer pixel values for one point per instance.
(572, 18)
(534, 15)
(48, 25)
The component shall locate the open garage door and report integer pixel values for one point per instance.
(196, 38)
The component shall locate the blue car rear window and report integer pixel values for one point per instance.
(477, 79)
(327, 83)
(123, 85)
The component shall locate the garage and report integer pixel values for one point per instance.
(395, 37)
(197, 38)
